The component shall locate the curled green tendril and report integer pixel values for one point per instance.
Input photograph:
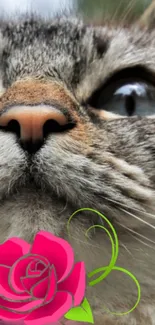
(107, 269)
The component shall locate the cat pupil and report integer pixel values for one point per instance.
(130, 105)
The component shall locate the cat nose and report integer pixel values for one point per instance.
(32, 125)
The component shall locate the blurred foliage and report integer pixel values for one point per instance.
(126, 10)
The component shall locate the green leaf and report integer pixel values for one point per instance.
(81, 313)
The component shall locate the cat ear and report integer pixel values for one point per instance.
(148, 18)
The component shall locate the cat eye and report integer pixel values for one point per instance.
(128, 100)
(130, 96)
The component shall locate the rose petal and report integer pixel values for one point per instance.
(39, 290)
(20, 307)
(17, 246)
(45, 287)
(31, 269)
(52, 285)
(6, 315)
(29, 282)
(56, 250)
(75, 283)
(18, 271)
(40, 266)
(51, 312)
(5, 290)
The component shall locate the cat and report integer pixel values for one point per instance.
(90, 92)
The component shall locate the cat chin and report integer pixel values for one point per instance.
(26, 212)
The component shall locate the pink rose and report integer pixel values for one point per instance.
(39, 283)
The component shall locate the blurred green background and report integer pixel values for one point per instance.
(127, 10)
(95, 10)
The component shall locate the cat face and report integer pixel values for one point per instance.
(77, 131)
(60, 149)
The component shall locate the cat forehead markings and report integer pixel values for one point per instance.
(80, 56)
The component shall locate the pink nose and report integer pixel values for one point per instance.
(33, 124)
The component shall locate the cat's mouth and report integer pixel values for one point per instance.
(27, 188)
(33, 182)
(27, 180)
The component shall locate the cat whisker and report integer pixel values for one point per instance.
(128, 11)
(123, 245)
(138, 218)
(117, 10)
(142, 242)
(86, 242)
(132, 208)
(135, 232)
